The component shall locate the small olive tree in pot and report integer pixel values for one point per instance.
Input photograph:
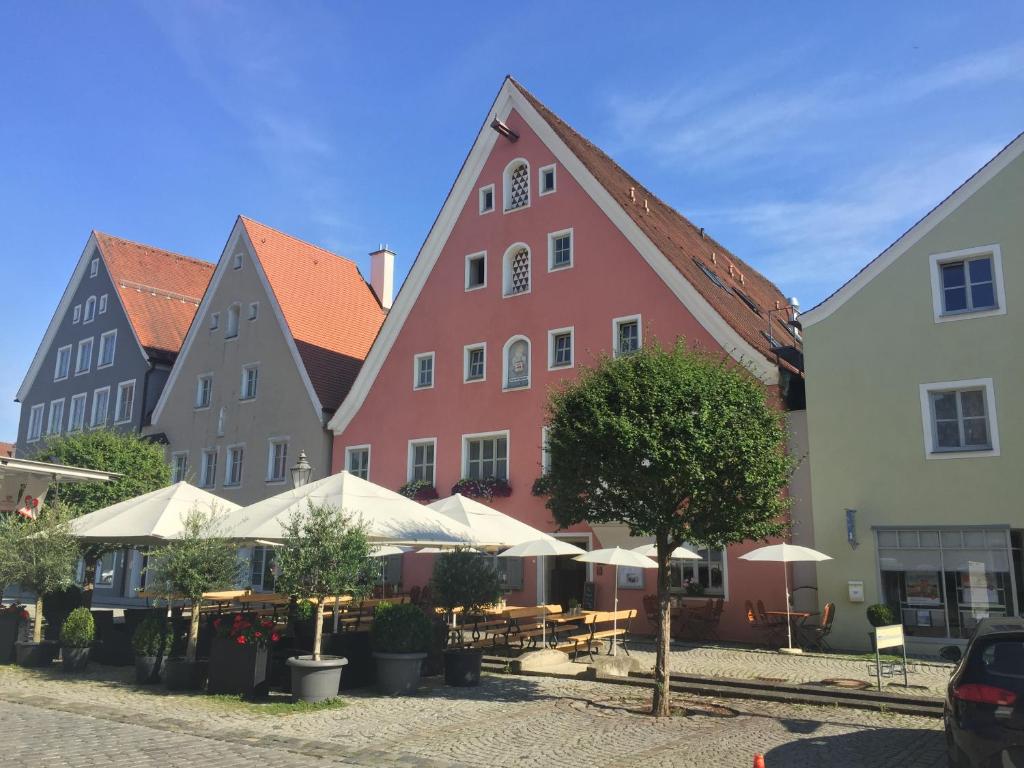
(201, 560)
(150, 642)
(76, 638)
(325, 553)
(464, 579)
(401, 638)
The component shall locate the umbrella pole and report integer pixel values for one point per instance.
(789, 623)
(544, 610)
(615, 620)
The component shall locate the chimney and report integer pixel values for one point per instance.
(382, 275)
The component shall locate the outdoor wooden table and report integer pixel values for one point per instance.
(801, 615)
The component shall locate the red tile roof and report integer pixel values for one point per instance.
(7, 450)
(689, 248)
(160, 290)
(331, 311)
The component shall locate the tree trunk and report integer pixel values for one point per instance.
(660, 703)
(89, 580)
(193, 632)
(37, 629)
(318, 629)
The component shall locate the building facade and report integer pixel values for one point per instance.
(546, 255)
(916, 431)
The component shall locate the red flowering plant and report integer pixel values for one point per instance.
(483, 488)
(246, 629)
(17, 608)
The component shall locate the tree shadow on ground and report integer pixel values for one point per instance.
(863, 749)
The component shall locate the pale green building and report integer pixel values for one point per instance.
(914, 374)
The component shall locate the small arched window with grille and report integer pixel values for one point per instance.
(516, 270)
(517, 185)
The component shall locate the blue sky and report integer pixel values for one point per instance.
(804, 140)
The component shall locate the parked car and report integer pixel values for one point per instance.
(984, 709)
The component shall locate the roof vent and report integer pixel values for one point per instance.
(702, 237)
(632, 194)
(647, 208)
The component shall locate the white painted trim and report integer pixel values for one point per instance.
(204, 480)
(117, 401)
(408, 455)
(91, 301)
(83, 396)
(93, 423)
(463, 465)
(229, 465)
(416, 370)
(39, 408)
(551, 348)
(990, 411)
(506, 270)
(551, 250)
(196, 406)
(480, 199)
(78, 356)
(99, 352)
(174, 456)
(540, 180)
(504, 364)
(56, 363)
(102, 309)
(77, 316)
(271, 442)
(616, 321)
(937, 260)
(465, 362)
(912, 236)
(369, 456)
(506, 185)
(466, 285)
(60, 421)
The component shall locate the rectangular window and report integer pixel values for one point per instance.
(476, 271)
(959, 419)
(423, 371)
(250, 375)
(560, 348)
(125, 402)
(179, 467)
(231, 331)
(53, 426)
(90, 310)
(708, 572)
(357, 461)
(214, 321)
(77, 314)
(626, 335)
(76, 417)
(103, 304)
(421, 460)
(100, 406)
(967, 283)
(94, 267)
(84, 362)
(208, 479)
(559, 250)
(510, 573)
(547, 179)
(277, 460)
(35, 423)
(63, 365)
(236, 261)
(204, 390)
(108, 344)
(475, 363)
(261, 569)
(487, 198)
(487, 457)
(254, 310)
(233, 470)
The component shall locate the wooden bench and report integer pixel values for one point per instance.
(519, 625)
(599, 625)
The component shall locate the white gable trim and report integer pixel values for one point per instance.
(509, 98)
(912, 236)
(239, 237)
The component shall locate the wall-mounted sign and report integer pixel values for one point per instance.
(856, 589)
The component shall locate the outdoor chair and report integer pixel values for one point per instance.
(757, 622)
(651, 609)
(814, 635)
(711, 630)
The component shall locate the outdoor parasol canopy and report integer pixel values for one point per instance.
(617, 556)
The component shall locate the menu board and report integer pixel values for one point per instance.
(588, 596)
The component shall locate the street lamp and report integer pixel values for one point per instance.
(301, 471)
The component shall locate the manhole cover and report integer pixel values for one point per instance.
(843, 682)
(772, 679)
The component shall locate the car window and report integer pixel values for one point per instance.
(998, 662)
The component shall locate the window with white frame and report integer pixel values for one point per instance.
(559, 250)
(560, 348)
(516, 270)
(475, 364)
(84, 362)
(357, 461)
(208, 475)
(423, 371)
(476, 271)
(90, 310)
(254, 310)
(261, 569)
(232, 330)
(125, 402)
(103, 304)
(626, 335)
(76, 416)
(53, 426)
(108, 344)
(100, 406)
(277, 460)
(487, 198)
(250, 376)
(486, 456)
(516, 363)
(421, 460)
(94, 267)
(62, 366)
(967, 283)
(517, 185)
(510, 572)
(705, 576)
(179, 467)
(547, 179)
(204, 390)
(35, 423)
(76, 315)
(214, 321)
(233, 469)
(959, 418)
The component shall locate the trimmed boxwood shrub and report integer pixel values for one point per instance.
(79, 630)
(152, 637)
(880, 615)
(400, 629)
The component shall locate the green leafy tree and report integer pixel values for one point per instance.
(325, 553)
(140, 463)
(201, 560)
(38, 554)
(675, 444)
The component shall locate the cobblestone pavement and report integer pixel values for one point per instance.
(52, 720)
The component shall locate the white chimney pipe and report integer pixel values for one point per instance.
(382, 275)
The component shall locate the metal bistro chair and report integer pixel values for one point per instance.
(814, 635)
(757, 622)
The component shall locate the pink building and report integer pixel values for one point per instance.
(545, 255)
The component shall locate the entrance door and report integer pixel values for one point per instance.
(567, 576)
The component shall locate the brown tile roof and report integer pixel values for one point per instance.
(160, 290)
(331, 311)
(7, 450)
(732, 285)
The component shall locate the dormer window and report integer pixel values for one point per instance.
(487, 198)
(517, 185)
(547, 180)
(516, 270)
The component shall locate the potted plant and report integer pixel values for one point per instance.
(419, 490)
(239, 654)
(13, 627)
(325, 553)
(482, 488)
(76, 638)
(150, 643)
(201, 560)
(879, 615)
(401, 638)
(464, 579)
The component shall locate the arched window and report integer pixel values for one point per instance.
(517, 363)
(516, 269)
(517, 184)
(232, 330)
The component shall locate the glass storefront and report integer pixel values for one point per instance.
(943, 581)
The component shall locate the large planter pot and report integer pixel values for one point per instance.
(462, 666)
(147, 669)
(361, 670)
(30, 654)
(398, 674)
(239, 670)
(182, 675)
(74, 659)
(11, 628)
(316, 680)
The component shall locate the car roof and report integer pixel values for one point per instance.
(1001, 625)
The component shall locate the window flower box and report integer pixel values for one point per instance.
(419, 490)
(483, 488)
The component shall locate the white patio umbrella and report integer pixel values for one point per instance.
(490, 527)
(679, 553)
(786, 553)
(386, 550)
(442, 550)
(546, 547)
(616, 556)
